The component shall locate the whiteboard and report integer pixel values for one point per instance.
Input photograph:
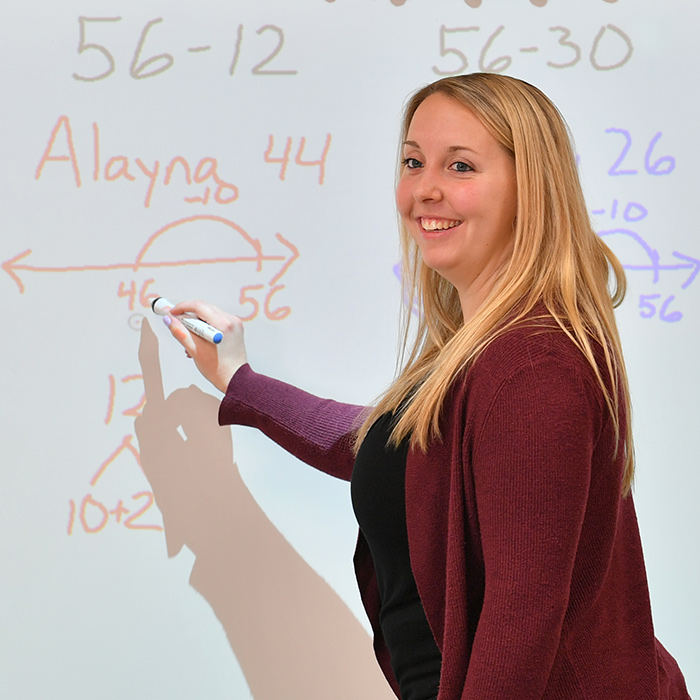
(244, 153)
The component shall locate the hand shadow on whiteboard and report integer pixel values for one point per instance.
(291, 633)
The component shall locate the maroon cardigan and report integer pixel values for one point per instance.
(527, 560)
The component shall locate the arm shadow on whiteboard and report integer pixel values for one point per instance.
(291, 633)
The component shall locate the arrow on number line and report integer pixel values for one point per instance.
(655, 265)
(13, 265)
(694, 262)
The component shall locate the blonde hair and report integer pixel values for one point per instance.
(557, 261)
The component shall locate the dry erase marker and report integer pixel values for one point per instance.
(195, 325)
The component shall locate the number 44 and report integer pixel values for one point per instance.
(283, 160)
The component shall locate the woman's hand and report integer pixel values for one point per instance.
(217, 363)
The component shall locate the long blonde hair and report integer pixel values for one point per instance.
(557, 261)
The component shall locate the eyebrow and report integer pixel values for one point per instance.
(451, 149)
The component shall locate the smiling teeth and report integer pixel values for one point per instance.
(438, 224)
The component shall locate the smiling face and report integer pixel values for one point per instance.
(457, 197)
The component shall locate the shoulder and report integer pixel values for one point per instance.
(534, 340)
(534, 361)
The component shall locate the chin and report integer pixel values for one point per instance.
(442, 264)
(443, 270)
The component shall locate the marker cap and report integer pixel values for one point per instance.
(161, 306)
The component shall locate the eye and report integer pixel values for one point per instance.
(461, 167)
(412, 163)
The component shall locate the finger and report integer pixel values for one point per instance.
(207, 312)
(181, 334)
(150, 364)
(199, 308)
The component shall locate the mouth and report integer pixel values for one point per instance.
(433, 225)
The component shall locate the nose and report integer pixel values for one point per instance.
(427, 187)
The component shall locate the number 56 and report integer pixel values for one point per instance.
(273, 314)
(648, 308)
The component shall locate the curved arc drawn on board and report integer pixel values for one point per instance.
(254, 242)
(655, 264)
(12, 265)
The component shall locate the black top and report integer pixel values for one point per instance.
(378, 498)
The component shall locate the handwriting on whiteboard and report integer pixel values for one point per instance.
(132, 512)
(61, 149)
(259, 295)
(655, 304)
(609, 49)
(477, 3)
(283, 160)
(204, 175)
(146, 65)
(653, 164)
(640, 156)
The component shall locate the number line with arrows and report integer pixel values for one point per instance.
(14, 265)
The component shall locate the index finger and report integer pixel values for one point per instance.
(150, 365)
(205, 311)
(195, 306)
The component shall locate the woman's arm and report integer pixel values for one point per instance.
(318, 431)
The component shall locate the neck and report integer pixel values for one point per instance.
(473, 296)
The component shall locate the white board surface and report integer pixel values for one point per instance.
(243, 152)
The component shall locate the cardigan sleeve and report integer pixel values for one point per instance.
(317, 431)
(531, 466)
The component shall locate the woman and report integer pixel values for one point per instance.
(499, 555)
